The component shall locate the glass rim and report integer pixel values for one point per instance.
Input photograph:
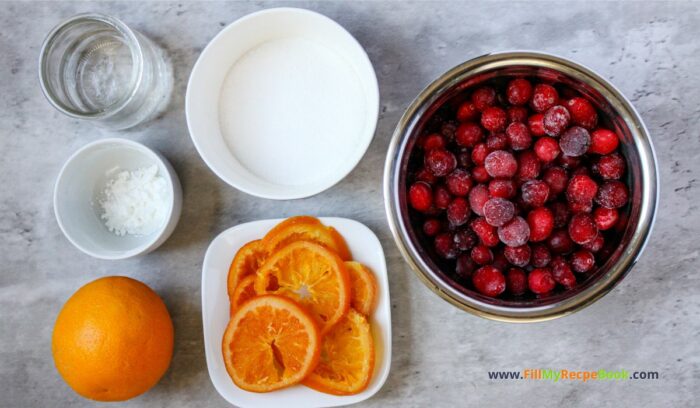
(136, 72)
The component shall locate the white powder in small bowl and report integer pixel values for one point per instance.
(135, 202)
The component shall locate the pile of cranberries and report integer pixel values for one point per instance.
(516, 188)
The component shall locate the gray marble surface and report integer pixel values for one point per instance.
(651, 321)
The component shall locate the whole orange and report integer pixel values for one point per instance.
(113, 339)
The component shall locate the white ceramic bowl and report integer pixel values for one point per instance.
(365, 248)
(80, 186)
(204, 94)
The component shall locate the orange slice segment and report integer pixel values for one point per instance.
(245, 263)
(363, 288)
(243, 292)
(270, 343)
(311, 275)
(305, 228)
(347, 357)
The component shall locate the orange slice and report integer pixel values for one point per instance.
(270, 343)
(363, 288)
(305, 228)
(311, 275)
(245, 263)
(243, 292)
(347, 357)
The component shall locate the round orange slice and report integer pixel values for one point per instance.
(311, 275)
(363, 288)
(347, 357)
(271, 342)
(243, 292)
(245, 263)
(305, 228)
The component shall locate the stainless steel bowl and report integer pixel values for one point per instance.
(636, 145)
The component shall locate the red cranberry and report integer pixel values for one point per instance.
(479, 154)
(595, 245)
(535, 193)
(467, 111)
(441, 197)
(501, 164)
(543, 97)
(582, 261)
(612, 194)
(468, 134)
(440, 162)
(497, 141)
(458, 211)
(486, 233)
(494, 119)
(483, 98)
(425, 175)
(517, 114)
(445, 247)
(528, 165)
(503, 188)
(610, 167)
(480, 174)
(557, 179)
(420, 195)
(516, 281)
(561, 214)
(498, 211)
(541, 222)
(540, 281)
(560, 242)
(514, 233)
(540, 256)
(605, 218)
(465, 239)
(582, 228)
(582, 112)
(575, 141)
(434, 141)
(576, 208)
(519, 91)
(478, 196)
(459, 182)
(556, 119)
(561, 272)
(481, 254)
(465, 267)
(603, 141)
(546, 149)
(519, 136)
(432, 227)
(489, 281)
(536, 124)
(581, 189)
(518, 256)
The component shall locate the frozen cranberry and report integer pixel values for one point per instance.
(540, 281)
(501, 164)
(574, 141)
(441, 197)
(528, 165)
(425, 175)
(582, 261)
(561, 272)
(467, 111)
(479, 153)
(603, 141)
(518, 256)
(605, 218)
(519, 136)
(448, 129)
(514, 233)
(482, 255)
(535, 193)
(568, 162)
(498, 211)
(465, 267)
(543, 97)
(478, 196)
(468, 134)
(497, 141)
(464, 158)
(582, 228)
(560, 242)
(480, 175)
(459, 182)
(486, 233)
(503, 188)
(494, 119)
(612, 194)
(458, 211)
(483, 98)
(595, 245)
(546, 149)
(517, 114)
(561, 214)
(432, 227)
(420, 196)
(581, 189)
(445, 246)
(557, 179)
(434, 141)
(582, 112)
(541, 222)
(519, 91)
(489, 281)
(556, 119)
(540, 256)
(536, 124)
(516, 281)
(440, 162)
(576, 208)
(610, 167)
(465, 239)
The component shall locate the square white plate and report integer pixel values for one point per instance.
(365, 248)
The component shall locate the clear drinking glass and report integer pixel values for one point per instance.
(94, 67)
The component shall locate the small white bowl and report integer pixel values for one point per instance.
(250, 166)
(365, 248)
(80, 186)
